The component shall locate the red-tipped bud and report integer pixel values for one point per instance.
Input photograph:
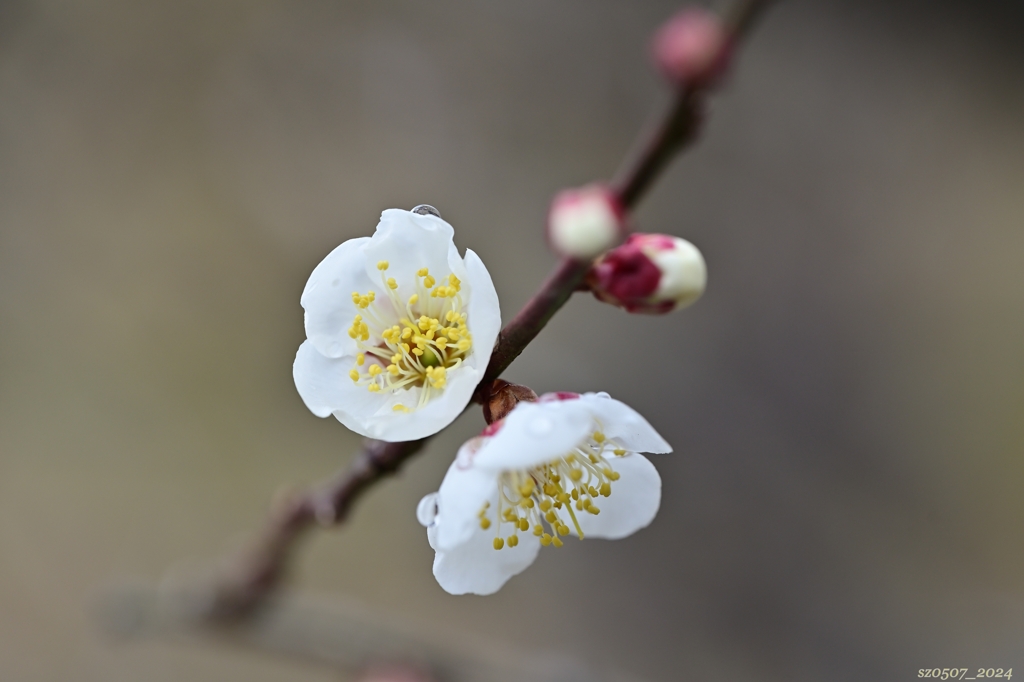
(650, 273)
(585, 222)
(692, 48)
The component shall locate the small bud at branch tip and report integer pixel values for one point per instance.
(692, 48)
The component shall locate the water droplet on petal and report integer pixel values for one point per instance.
(540, 426)
(602, 394)
(426, 510)
(426, 209)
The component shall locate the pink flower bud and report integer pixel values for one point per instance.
(650, 273)
(692, 48)
(586, 222)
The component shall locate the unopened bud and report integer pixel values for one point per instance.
(650, 273)
(585, 222)
(502, 397)
(692, 48)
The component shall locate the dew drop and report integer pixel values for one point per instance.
(426, 209)
(540, 426)
(426, 510)
(602, 394)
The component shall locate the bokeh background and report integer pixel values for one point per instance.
(846, 401)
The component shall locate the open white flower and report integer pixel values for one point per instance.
(399, 329)
(564, 465)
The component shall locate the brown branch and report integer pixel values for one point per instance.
(254, 572)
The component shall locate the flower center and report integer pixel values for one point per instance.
(411, 343)
(551, 494)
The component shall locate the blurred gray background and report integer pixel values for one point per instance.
(846, 401)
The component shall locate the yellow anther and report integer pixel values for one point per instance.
(592, 458)
(396, 358)
(354, 375)
(545, 539)
(485, 522)
(373, 388)
(593, 491)
(563, 529)
(463, 345)
(563, 498)
(352, 333)
(545, 504)
(513, 540)
(406, 333)
(452, 333)
(450, 315)
(551, 516)
(593, 509)
(392, 284)
(355, 299)
(428, 281)
(614, 475)
(417, 352)
(598, 437)
(453, 280)
(393, 370)
(585, 503)
(422, 272)
(538, 530)
(441, 342)
(498, 543)
(400, 408)
(606, 489)
(430, 334)
(360, 359)
(556, 542)
(575, 494)
(382, 265)
(619, 452)
(575, 474)
(413, 299)
(579, 505)
(524, 524)
(526, 489)
(375, 370)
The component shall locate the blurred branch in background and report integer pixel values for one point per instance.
(231, 594)
(339, 633)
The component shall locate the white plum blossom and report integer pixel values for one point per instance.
(399, 329)
(565, 465)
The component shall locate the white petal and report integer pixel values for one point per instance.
(373, 414)
(327, 298)
(475, 567)
(482, 312)
(408, 241)
(324, 383)
(624, 425)
(633, 504)
(535, 433)
(463, 493)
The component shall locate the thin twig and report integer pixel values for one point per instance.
(253, 573)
